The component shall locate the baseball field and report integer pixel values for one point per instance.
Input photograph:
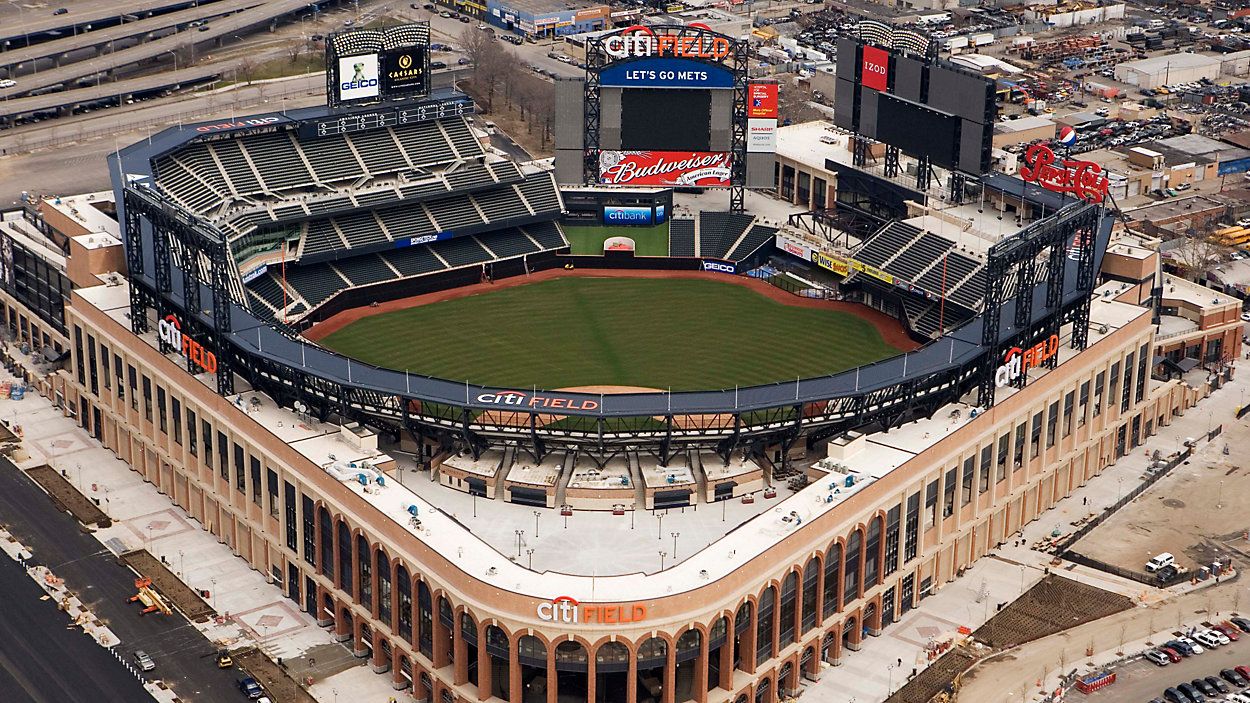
(565, 330)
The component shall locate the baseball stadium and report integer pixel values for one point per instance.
(356, 344)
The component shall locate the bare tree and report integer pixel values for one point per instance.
(1198, 251)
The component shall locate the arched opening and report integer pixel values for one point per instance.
(764, 692)
(652, 656)
(741, 699)
(382, 566)
(383, 661)
(869, 617)
(872, 553)
(833, 562)
(325, 527)
(764, 632)
(849, 642)
(425, 620)
(850, 579)
(532, 655)
(784, 684)
(497, 650)
(345, 557)
(347, 627)
(742, 628)
(405, 670)
(688, 646)
(364, 573)
(789, 598)
(364, 646)
(327, 609)
(717, 636)
(828, 648)
(611, 670)
(811, 584)
(571, 681)
(427, 685)
(468, 632)
(805, 662)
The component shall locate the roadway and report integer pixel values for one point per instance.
(38, 645)
(183, 656)
(22, 21)
(226, 27)
(112, 91)
(98, 37)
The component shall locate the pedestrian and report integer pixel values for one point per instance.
(1085, 500)
(900, 661)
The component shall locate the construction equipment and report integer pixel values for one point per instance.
(151, 600)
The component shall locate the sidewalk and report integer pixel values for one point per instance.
(1005, 573)
(253, 610)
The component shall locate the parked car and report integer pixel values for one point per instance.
(1206, 688)
(1207, 639)
(1173, 695)
(1159, 658)
(144, 661)
(1228, 629)
(1234, 678)
(1160, 561)
(60, 11)
(1184, 649)
(437, 65)
(223, 659)
(7, 83)
(1242, 623)
(1217, 684)
(1197, 648)
(1171, 654)
(1193, 694)
(250, 688)
(1244, 671)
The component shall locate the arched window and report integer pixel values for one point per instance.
(811, 586)
(850, 580)
(326, 528)
(345, 557)
(382, 563)
(764, 631)
(872, 553)
(364, 575)
(403, 584)
(833, 562)
(653, 653)
(789, 596)
(425, 618)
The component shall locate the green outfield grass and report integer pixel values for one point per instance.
(648, 241)
(659, 333)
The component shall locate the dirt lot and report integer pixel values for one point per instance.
(935, 679)
(67, 497)
(180, 595)
(275, 680)
(1199, 512)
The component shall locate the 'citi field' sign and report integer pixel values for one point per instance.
(567, 610)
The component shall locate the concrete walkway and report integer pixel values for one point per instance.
(254, 610)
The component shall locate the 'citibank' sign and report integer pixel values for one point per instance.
(567, 610)
(170, 332)
(1018, 361)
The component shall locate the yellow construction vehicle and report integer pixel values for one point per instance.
(151, 600)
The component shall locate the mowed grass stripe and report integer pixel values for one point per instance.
(658, 333)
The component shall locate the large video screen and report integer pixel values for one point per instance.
(405, 72)
(367, 66)
(918, 130)
(657, 119)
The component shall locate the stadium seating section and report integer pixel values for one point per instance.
(719, 235)
(355, 201)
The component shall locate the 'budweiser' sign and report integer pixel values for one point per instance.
(665, 168)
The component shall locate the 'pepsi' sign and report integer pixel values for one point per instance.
(619, 215)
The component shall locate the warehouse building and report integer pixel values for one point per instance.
(1168, 70)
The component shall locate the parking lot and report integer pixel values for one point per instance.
(1141, 681)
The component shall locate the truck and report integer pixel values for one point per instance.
(1160, 561)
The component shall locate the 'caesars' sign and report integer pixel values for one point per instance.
(643, 42)
(1017, 361)
(567, 610)
(169, 330)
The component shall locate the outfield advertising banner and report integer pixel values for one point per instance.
(704, 169)
(762, 101)
(665, 73)
(761, 135)
(795, 248)
(358, 78)
(403, 72)
(720, 266)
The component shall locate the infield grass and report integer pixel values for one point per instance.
(648, 241)
(684, 334)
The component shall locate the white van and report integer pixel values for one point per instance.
(1160, 561)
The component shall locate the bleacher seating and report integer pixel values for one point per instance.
(413, 261)
(541, 193)
(376, 197)
(321, 237)
(755, 237)
(365, 269)
(325, 205)
(501, 204)
(267, 288)
(719, 230)
(454, 212)
(406, 221)
(315, 283)
(886, 243)
(971, 292)
(178, 181)
(331, 158)
(466, 145)
(423, 190)
(508, 243)
(361, 228)
(260, 309)
(278, 161)
(469, 176)
(918, 256)
(238, 170)
(547, 234)
(378, 150)
(460, 251)
(425, 144)
(957, 268)
(681, 237)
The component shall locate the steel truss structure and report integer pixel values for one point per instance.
(738, 64)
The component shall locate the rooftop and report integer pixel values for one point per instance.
(1022, 124)
(1179, 60)
(83, 210)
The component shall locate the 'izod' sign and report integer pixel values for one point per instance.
(170, 332)
(1017, 361)
(567, 610)
(876, 68)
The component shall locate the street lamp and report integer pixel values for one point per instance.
(530, 553)
(519, 535)
(536, 514)
(662, 555)
(675, 535)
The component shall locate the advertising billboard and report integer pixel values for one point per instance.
(876, 68)
(404, 72)
(761, 135)
(762, 101)
(627, 215)
(665, 73)
(703, 169)
(358, 78)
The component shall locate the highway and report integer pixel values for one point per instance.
(20, 20)
(118, 33)
(183, 656)
(224, 28)
(43, 661)
(109, 90)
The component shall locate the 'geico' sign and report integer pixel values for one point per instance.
(169, 330)
(1018, 361)
(567, 610)
(639, 41)
(719, 267)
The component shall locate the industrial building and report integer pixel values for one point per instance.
(1168, 70)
